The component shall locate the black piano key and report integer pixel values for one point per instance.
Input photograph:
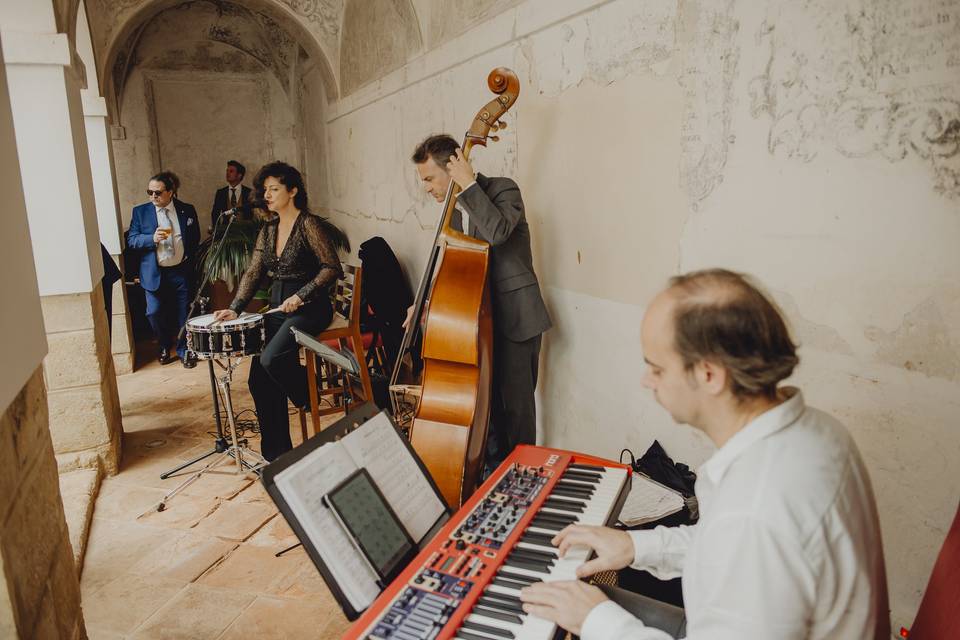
(542, 539)
(548, 524)
(554, 517)
(466, 635)
(495, 631)
(559, 517)
(562, 505)
(543, 517)
(536, 567)
(582, 489)
(576, 494)
(576, 486)
(495, 603)
(581, 477)
(517, 577)
(585, 467)
(550, 555)
(519, 554)
(498, 615)
(510, 583)
(506, 597)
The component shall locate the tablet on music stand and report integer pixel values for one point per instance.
(301, 481)
(379, 535)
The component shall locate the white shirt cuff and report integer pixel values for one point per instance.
(647, 548)
(604, 621)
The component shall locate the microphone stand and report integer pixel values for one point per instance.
(220, 443)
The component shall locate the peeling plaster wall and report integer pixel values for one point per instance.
(812, 144)
(195, 99)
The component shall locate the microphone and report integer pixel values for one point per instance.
(231, 212)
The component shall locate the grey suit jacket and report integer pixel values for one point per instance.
(496, 213)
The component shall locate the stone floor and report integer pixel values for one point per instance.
(205, 566)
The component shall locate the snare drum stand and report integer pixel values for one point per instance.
(237, 448)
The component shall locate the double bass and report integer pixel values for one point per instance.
(452, 305)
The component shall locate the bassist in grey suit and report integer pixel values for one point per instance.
(492, 209)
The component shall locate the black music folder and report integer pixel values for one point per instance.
(300, 480)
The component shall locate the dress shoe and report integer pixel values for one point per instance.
(189, 361)
(165, 357)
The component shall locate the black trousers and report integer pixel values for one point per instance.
(513, 412)
(277, 376)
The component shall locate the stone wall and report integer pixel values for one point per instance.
(811, 144)
(39, 592)
(80, 377)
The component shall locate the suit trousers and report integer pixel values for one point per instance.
(513, 411)
(277, 376)
(171, 300)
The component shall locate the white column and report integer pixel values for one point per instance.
(97, 125)
(45, 77)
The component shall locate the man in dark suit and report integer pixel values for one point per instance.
(231, 196)
(492, 209)
(167, 233)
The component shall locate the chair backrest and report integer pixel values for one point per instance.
(937, 617)
(347, 294)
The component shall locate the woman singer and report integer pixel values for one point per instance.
(294, 249)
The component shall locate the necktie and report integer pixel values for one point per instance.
(233, 197)
(165, 248)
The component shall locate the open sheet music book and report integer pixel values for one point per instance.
(648, 501)
(302, 481)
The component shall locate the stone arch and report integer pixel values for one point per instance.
(113, 63)
(377, 37)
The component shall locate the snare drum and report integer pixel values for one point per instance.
(243, 336)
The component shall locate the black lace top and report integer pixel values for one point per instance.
(307, 257)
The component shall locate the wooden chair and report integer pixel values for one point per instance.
(344, 328)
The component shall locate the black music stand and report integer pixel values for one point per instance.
(345, 362)
(335, 432)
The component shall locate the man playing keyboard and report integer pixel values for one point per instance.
(788, 542)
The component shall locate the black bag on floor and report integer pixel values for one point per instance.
(659, 466)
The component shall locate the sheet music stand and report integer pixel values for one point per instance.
(334, 432)
(344, 361)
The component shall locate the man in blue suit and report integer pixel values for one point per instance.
(167, 233)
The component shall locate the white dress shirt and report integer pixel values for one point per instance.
(787, 545)
(175, 236)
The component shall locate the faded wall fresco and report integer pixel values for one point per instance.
(450, 18)
(873, 79)
(378, 37)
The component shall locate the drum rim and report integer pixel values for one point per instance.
(249, 321)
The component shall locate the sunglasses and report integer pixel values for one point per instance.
(155, 193)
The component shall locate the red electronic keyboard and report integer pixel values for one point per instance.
(466, 582)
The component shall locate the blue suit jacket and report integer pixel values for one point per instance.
(143, 225)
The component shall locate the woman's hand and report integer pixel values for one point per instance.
(291, 304)
(224, 314)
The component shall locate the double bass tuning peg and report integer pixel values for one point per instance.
(494, 138)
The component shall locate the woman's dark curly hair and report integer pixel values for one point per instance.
(288, 176)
